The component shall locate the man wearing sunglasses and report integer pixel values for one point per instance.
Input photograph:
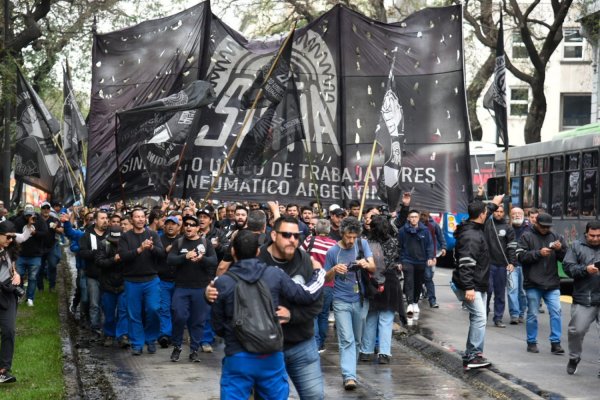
(195, 261)
(8, 310)
(30, 257)
(302, 359)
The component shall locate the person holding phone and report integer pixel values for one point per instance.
(582, 263)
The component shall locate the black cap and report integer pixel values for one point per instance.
(544, 219)
(190, 218)
(7, 227)
(114, 234)
(206, 211)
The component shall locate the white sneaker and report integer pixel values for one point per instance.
(30, 302)
(416, 308)
(331, 318)
(409, 311)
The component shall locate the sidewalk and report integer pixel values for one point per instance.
(543, 374)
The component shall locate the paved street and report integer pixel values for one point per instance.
(506, 348)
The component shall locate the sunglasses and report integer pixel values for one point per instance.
(190, 225)
(288, 235)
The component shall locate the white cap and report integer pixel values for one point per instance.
(333, 207)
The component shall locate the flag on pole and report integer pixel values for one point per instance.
(274, 86)
(74, 130)
(495, 98)
(36, 157)
(389, 135)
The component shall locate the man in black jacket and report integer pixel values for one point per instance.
(500, 238)
(302, 359)
(581, 263)
(166, 274)
(141, 252)
(539, 250)
(88, 249)
(30, 257)
(471, 278)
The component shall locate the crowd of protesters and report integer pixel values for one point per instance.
(146, 274)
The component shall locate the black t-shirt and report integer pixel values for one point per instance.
(166, 272)
(189, 274)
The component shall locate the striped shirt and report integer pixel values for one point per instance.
(319, 250)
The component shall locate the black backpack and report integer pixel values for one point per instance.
(255, 324)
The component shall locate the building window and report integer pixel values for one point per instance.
(519, 101)
(518, 47)
(573, 44)
(576, 110)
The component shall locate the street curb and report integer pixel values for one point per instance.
(485, 379)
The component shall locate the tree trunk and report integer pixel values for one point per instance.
(537, 113)
(474, 92)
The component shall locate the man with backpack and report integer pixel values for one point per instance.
(244, 315)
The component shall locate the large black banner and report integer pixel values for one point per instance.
(341, 64)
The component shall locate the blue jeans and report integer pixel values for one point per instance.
(477, 320)
(303, 365)
(146, 296)
(31, 266)
(94, 294)
(517, 299)
(114, 307)
(166, 294)
(552, 300)
(48, 267)
(384, 320)
(189, 308)
(497, 286)
(208, 335)
(429, 285)
(349, 321)
(243, 371)
(322, 320)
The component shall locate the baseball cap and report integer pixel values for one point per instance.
(7, 227)
(544, 219)
(205, 211)
(114, 234)
(336, 210)
(190, 218)
(45, 204)
(172, 219)
(28, 210)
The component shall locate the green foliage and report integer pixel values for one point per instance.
(38, 352)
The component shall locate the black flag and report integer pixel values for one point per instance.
(74, 130)
(36, 158)
(275, 85)
(279, 127)
(389, 135)
(495, 98)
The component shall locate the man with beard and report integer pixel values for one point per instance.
(240, 218)
(336, 215)
(141, 252)
(166, 274)
(195, 261)
(89, 245)
(354, 208)
(302, 359)
(294, 211)
(517, 300)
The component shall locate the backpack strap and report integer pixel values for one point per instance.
(311, 243)
(361, 252)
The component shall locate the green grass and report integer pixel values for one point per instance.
(37, 363)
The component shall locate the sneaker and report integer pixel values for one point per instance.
(207, 348)
(175, 354)
(350, 384)
(29, 302)
(108, 341)
(521, 320)
(434, 305)
(383, 359)
(163, 341)
(476, 362)
(514, 321)
(6, 377)
(364, 357)
(409, 311)
(194, 356)
(136, 352)
(555, 348)
(321, 349)
(331, 318)
(499, 324)
(416, 308)
(572, 365)
(151, 348)
(532, 348)
(124, 342)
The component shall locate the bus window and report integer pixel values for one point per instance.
(590, 192)
(573, 161)
(573, 193)
(557, 163)
(542, 184)
(557, 194)
(542, 165)
(515, 186)
(528, 188)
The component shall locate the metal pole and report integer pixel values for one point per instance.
(5, 92)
